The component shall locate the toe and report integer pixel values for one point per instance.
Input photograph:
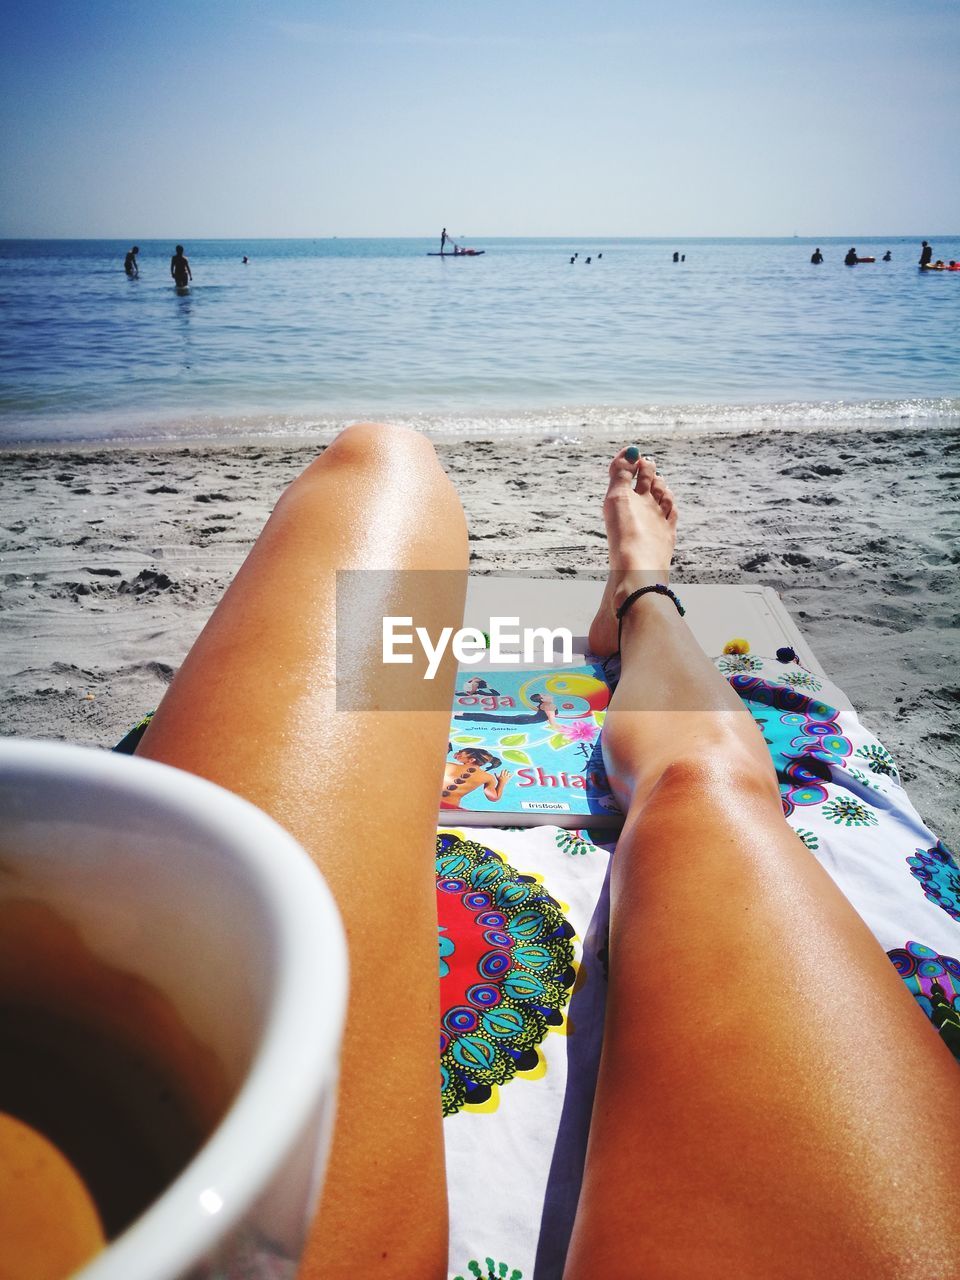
(645, 475)
(666, 501)
(623, 468)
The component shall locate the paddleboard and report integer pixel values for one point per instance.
(467, 253)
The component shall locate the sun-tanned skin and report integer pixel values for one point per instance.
(756, 1126)
(791, 1115)
(254, 707)
(640, 539)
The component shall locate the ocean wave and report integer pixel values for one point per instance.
(695, 418)
(567, 422)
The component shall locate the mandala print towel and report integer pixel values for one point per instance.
(523, 961)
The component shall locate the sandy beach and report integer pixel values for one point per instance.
(111, 559)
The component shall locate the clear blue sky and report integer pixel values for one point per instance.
(527, 117)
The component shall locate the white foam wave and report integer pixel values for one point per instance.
(563, 423)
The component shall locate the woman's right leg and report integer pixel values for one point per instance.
(771, 1102)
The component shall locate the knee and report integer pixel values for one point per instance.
(720, 772)
(375, 445)
(371, 468)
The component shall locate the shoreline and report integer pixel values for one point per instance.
(300, 429)
(113, 555)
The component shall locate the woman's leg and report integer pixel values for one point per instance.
(771, 1102)
(254, 708)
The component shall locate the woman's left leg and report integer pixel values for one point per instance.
(255, 708)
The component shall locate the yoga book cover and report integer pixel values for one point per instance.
(524, 749)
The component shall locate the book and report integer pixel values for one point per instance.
(524, 749)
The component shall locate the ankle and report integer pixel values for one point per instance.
(634, 580)
(633, 605)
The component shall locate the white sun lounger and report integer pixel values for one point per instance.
(715, 614)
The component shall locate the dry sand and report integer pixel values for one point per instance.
(111, 559)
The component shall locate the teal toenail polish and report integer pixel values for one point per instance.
(632, 454)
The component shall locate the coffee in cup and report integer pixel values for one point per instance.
(172, 990)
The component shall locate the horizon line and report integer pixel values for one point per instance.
(863, 235)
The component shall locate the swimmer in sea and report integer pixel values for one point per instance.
(180, 268)
(465, 773)
(130, 263)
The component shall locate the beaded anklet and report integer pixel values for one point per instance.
(660, 589)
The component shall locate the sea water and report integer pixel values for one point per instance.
(309, 334)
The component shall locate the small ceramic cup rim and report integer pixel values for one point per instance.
(297, 1057)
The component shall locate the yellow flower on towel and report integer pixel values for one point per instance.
(737, 645)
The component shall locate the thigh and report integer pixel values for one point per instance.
(750, 1118)
(254, 708)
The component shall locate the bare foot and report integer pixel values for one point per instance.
(641, 521)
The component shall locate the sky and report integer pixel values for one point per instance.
(229, 118)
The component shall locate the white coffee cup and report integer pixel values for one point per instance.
(190, 889)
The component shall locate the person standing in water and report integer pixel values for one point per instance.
(816, 256)
(926, 253)
(130, 262)
(180, 268)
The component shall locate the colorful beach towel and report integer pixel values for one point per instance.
(523, 918)
(522, 952)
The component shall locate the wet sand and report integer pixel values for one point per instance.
(111, 559)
